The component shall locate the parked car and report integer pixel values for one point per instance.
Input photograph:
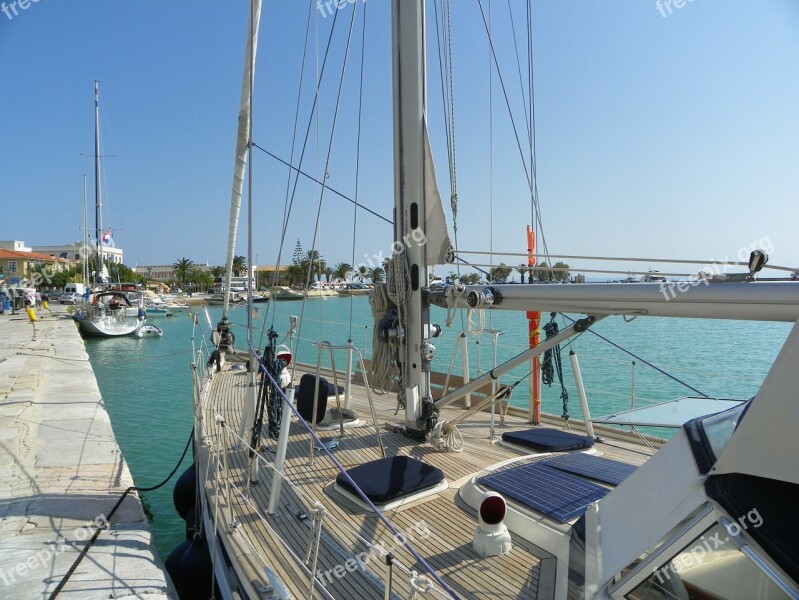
(70, 298)
(50, 295)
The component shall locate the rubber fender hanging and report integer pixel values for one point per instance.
(184, 493)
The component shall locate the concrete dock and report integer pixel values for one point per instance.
(61, 473)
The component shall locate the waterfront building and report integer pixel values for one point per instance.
(21, 265)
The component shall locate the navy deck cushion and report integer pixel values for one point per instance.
(388, 479)
(305, 397)
(331, 389)
(548, 440)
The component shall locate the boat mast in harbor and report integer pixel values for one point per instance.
(98, 199)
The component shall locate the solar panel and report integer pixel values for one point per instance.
(557, 494)
(595, 467)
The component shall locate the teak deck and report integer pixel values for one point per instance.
(439, 527)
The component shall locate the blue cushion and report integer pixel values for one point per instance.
(548, 440)
(305, 397)
(331, 389)
(392, 478)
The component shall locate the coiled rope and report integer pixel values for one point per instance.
(398, 276)
(552, 364)
(383, 368)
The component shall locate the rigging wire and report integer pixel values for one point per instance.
(646, 362)
(490, 166)
(357, 159)
(327, 187)
(528, 170)
(504, 91)
(444, 39)
(292, 195)
(326, 166)
(276, 276)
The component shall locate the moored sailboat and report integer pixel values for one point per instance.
(419, 509)
(109, 311)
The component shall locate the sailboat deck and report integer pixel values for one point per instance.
(440, 527)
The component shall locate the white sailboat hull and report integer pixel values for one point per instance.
(109, 326)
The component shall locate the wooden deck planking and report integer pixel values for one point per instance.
(447, 548)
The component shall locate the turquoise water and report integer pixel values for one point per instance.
(147, 383)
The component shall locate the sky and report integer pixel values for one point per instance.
(662, 129)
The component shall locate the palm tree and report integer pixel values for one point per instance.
(521, 270)
(376, 274)
(183, 269)
(239, 265)
(341, 270)
(362, 271)
(201, 279)
(294, 274)
(314, 264)
(500, 273)
(217, 272)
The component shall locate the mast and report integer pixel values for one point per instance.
(84, 249)
(408, 30)
(98, 201)
(240, 164)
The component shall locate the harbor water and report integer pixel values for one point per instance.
(146, 383)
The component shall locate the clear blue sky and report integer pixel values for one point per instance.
(673, 135)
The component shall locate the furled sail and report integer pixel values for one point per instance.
(242, 143)
(438, 248)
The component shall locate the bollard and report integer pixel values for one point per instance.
(45, 306)
(31, 314)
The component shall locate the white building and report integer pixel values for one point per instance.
(163, 272)
(15, 246)
(76, 251)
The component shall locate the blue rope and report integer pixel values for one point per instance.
(553, 356)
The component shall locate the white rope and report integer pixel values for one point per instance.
(383, 368)
(446, 436)
(420, 585)
(319, 513)
(475, 330)
(453, 294)
(398, 276)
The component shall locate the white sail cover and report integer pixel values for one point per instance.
(438, 249)
(242, 142)
(773, 415)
